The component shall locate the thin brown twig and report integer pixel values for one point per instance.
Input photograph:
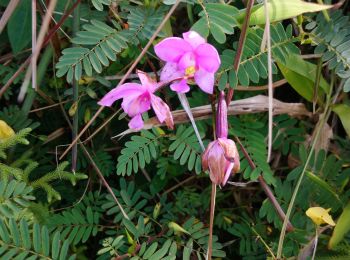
(99, 173)
(211, 220)
(241, 41)
(35, 53)
(179, 184)
(126, 74)
(46, 41)
(266, 188)
(7, 14)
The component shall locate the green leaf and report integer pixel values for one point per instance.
(343, 111)
(301, 75)
(218, 19)
(341, 228)
(19, 26)
(280, 10)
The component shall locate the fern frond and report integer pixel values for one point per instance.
(144, 21)
(16, 118)
(218, 19)
(186, 148)
(197, 244)
(105, 43)
(286, 133)
(253, 64)
(75, 225)
(333, 42)
(138, 152)
(15, 197)
(254, 143)
(156, 251)
(58, 174)
(24, 241)
(132, 200)
(18, 138)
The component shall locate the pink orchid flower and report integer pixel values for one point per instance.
(190, 57)
(221, 157)
(137, 99)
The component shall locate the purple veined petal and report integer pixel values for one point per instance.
(231, 152)
(146, 81)
(187, 60)
(128, 100)
(162, 111)
(172, 48)
(138, 105)
(120, 92)
(193, 38)
(207, 57)
(136, 122)
(205, 80)
(217, 164)
(205, 155)
(221, 118)
(229, 166)
(170, 71)
(180, 86)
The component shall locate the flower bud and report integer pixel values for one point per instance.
(221, 158)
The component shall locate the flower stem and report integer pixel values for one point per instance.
(315, 244)
(266, 188)
(211, 220)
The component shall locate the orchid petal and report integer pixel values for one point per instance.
(187, 60)
(217, 163)
(120, 92)
(172, 48)
(227, 173)
(162, 111)
(221, 118)
(230, 152)
(207, 57)
(205, 156)
(136, 122)
(180, 86)
(205, 80)
(146, 80)
(193, 38)
(170, 71)
(139, 105)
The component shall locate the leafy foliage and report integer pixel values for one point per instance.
(14, 198)
(138, 152)
(253, 64)
(332, 39)
(218, 19)
(17, 241)
(186, 148)
(105, 43)
(163, 212)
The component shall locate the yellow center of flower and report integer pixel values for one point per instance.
(190, 71)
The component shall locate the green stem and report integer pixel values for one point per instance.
(315, 244)
(322, 121)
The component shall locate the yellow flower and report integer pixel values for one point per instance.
(320, 216)
(5, 130)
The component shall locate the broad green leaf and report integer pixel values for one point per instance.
(343, 111)
(301, 75)
(19, 26)
(341, 228)
(280, 10)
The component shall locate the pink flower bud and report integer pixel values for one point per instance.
(221, 158)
